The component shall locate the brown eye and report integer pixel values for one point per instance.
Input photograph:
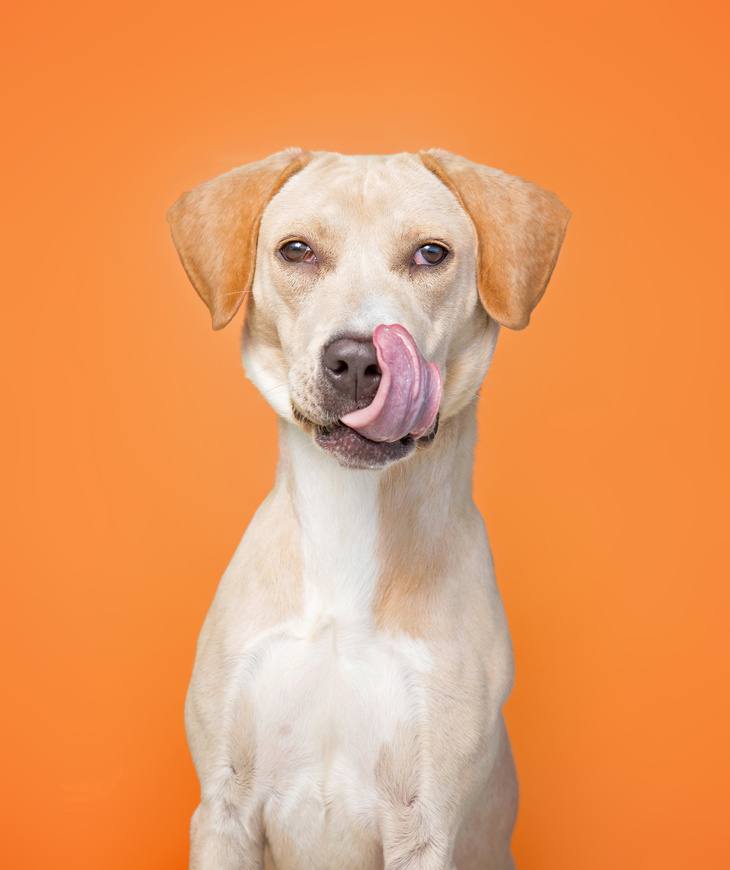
(297, 252)
(429, 255)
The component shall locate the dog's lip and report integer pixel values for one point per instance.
(301, 417)
(338, 424)
(325, 423)
(324, 428)
(354, 450)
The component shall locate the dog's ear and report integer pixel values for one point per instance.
(215, 229)
(519, 227)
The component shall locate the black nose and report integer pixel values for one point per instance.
(351, 364)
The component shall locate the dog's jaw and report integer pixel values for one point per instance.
(353, 450)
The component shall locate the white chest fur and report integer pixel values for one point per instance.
(326, 702)
(338, 515)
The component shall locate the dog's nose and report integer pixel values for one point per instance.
(351, 364)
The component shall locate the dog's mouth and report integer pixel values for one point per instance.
(354, 450)
(402, 414)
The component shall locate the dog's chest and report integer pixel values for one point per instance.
(329, 696)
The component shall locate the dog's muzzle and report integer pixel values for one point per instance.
(395, 395)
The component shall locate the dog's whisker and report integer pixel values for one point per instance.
(283, 385)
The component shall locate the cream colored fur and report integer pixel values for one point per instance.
(345, 709)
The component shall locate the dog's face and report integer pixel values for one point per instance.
(346, 244)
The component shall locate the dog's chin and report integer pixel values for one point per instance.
(353, 450)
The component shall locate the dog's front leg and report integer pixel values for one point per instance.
(417, 835)
(412, 844)
(419, 807)
(225, 834)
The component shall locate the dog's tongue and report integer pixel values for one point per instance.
(409, 393)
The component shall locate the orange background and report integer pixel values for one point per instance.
(134, 452)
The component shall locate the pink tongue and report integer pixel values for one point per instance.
(409, 393)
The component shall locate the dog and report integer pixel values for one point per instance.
(345, 707)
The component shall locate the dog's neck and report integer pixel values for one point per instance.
(364, 532)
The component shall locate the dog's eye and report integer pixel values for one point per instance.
(429, 255)
(297, 252)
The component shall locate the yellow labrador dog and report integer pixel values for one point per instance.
(345, 709)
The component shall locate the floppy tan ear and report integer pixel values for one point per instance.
(520, 228)
(215, 229)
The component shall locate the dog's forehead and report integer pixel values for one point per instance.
(335, 190)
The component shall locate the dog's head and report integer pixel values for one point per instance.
(325, 249)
